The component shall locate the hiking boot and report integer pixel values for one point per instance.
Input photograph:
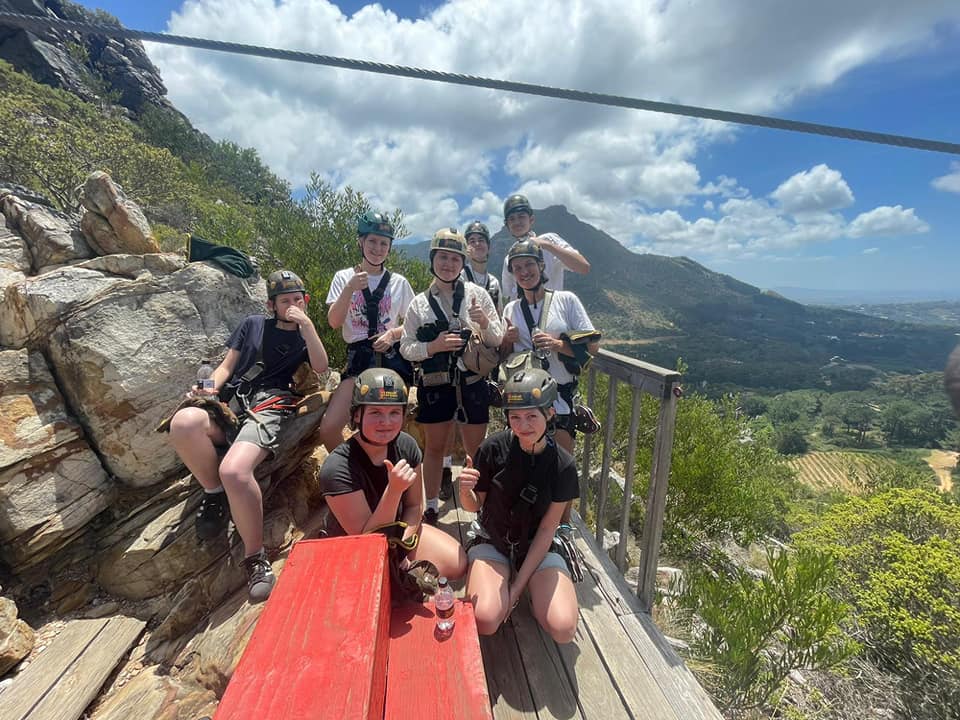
(431, 516)
(213, 515)
(446, 484)
(260, 577)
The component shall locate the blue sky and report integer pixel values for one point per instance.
(771, 208)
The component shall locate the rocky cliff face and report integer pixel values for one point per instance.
(99, 336)
(88, 66)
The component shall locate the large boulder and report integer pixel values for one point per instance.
(51, 483)
(52, 237)
(15, 260)
(112, 223)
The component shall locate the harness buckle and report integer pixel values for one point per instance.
(529, 494)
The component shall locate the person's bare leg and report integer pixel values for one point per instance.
(442, 550)
(554, 601)
(337, 414)
(488, 588)
(472, 436)
(243, 493)
(194, 438)
(435, 443)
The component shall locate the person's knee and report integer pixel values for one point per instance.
(234, 474)
(488, 617)
(561, 624)
(460, 568)
(188, 423)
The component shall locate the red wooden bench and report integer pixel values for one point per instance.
(432, 677)
(320, 646)
(328, 646)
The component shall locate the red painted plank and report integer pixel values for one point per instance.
(320, 647)
(433, 678)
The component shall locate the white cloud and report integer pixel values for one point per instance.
(816, 190)
(434, 150)
(887, 221)
(949, 182)
(871, 251)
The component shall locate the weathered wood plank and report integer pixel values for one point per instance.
(78, 683)
(680, 687)
(609, 579)
(596, 694)
(30, 686)
(637, 686)
(553, 697)
(506, 680)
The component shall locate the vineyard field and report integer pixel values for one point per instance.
(830, 470)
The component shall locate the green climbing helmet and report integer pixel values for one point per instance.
(530, 388)
(477, 228)
(374, 222)
(283, 281)
(379, 386)
(516, 203)
(524, 248)
(448, 239)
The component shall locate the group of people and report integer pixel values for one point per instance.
(446, 341)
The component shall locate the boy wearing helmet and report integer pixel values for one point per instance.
(368, 303)
(520, 484)
(438, 323)
(558, 253)
(477, 237)
(263, 354)
(374, 478)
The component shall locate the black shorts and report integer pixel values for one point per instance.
(565, 422)
(360, 357)
(439, 404)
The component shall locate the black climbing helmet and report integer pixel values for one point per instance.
(516, 203)
(477, 228)
(379, 386)
(524, 248)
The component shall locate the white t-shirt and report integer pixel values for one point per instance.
(552, 268)
(566, 315)
(393, 304)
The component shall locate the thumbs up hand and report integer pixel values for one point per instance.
(468, 477)
(512, 335)
(400, 476)
(477, 315)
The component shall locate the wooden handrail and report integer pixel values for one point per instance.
(663, 384)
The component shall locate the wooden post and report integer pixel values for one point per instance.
(657, 495)
(607, 453)
(587, 448)
(628, 480)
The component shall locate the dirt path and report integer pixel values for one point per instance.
(943, 462)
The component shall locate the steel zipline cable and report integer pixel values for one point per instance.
(32, 22)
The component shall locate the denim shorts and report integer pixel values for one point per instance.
(486, 551)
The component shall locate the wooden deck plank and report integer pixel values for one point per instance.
(30, 686)
(553, 697)
(507, 686)
(681, 688)
(78, 684)
(596, 693)
(636, 684)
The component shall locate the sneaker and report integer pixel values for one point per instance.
(260, 577)
(213, 515)
(446, 484)
(431, 516)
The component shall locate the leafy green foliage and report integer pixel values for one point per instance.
(51, 140)
(898, 553)
(757, 630)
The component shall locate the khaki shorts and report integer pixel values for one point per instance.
(486, 551)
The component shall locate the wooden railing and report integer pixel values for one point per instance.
(664, 385)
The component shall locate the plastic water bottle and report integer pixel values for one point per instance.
(443, 602)
(538, 352)
(205, 376)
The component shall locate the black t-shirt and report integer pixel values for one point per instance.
(283, 351)
(505, 469)
(348, 469)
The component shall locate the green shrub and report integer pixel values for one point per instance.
(757, 630)
(899, 558)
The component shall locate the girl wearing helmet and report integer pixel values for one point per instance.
(438, 323)
(520, 484)
(550, 335)
(374, 478)
(357, 295)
